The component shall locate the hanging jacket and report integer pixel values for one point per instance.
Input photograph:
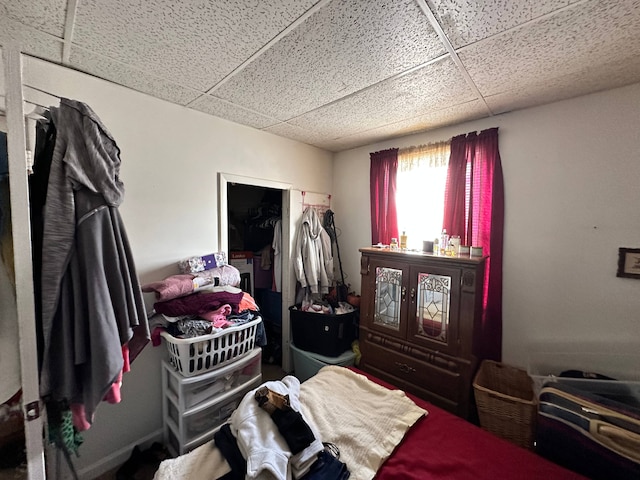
(91, 303)
(313, 261)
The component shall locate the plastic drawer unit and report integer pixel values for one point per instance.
(194, 408)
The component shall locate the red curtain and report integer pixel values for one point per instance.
(384, 217)
(474, 209)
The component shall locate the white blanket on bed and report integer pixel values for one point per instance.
(366, 422)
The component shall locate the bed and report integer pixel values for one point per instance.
(385, 434)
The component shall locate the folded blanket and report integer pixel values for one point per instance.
(198, 303)
(365, 420)
(225, 275)
(176, 286)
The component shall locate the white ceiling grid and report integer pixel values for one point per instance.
(340, 73)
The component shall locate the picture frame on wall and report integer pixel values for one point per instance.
(629, 263)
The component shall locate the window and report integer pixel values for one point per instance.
(421, 180)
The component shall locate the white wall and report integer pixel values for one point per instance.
(572, 194)
(170, 160)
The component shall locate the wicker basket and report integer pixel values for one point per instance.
(193, 356)
(507, 406)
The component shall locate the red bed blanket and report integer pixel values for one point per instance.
(443, 446)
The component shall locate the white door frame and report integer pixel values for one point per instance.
(224, 179)
(21, 228)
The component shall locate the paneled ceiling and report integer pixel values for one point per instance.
(339, 74)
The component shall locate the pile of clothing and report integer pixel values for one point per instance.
(191, 305)
(313, 305)
(267, 435)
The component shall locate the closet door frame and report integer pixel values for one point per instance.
(21, 228)
(223, 243)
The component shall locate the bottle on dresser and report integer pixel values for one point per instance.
(444, 241)
(403, 241)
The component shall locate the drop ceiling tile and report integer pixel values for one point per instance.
(437, 86)
(544, 7)
(189, 42)
(449, 116)
(337, 51)
(45, 15)
(223, 109)
(591, 79)
(464, 112)
(32, 42)
(342, 145)
(560, 45)
(467, 21)
(294, 132)
(129, 77)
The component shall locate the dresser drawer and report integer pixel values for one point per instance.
(412, 366)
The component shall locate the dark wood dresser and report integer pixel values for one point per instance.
(418, 312)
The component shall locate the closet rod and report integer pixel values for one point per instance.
(34, 109)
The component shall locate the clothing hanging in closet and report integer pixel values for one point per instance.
(312, 257)
(89, 306)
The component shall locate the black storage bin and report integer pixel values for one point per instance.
(328, 335)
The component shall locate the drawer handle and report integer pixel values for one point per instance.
(405, 368)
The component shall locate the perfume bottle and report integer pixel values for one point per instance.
(444, 242)
(403, 241)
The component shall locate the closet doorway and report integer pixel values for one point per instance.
(251, 211)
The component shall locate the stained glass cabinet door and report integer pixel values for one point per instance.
(433, 306)
(388, 300)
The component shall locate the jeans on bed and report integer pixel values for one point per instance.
(327, 467)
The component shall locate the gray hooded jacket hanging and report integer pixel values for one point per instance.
(90, 294)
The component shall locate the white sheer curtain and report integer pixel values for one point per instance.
(421, 179)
